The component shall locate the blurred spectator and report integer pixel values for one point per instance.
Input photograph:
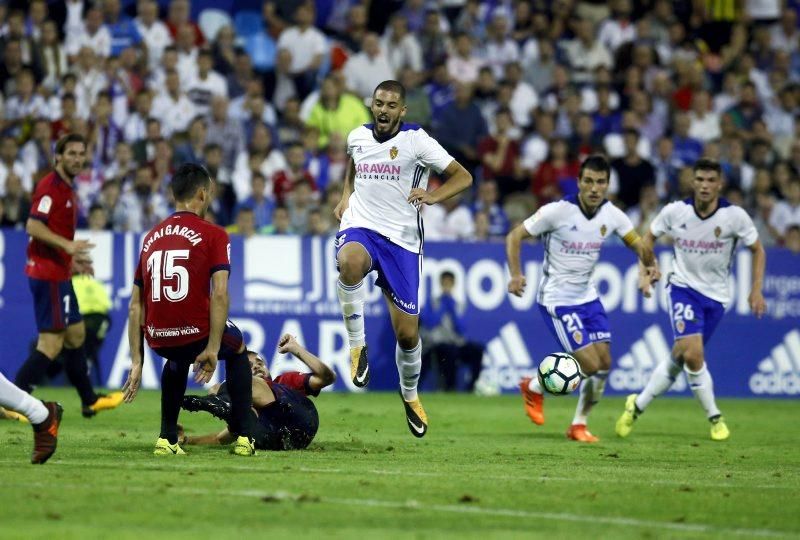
(336, 111)
(460, 127)
(187, 50)
(449, 220)
(585, 52)
(444, 335)
(499, 154)
(737, 171)
(787, 211)
(318, 224)
(104, 133)
(401, 46)
(703, 122)
(463, 65)
(98, 218)
(784, 34)
(123, 168)
(144, 150)
(418, 106)
(54, 56)
(618, 29)
(792, 240)
(666, 167)
(24, 105)
(225, 131)
(206, 83)
(233, 62)
(524, 98)
(109, 200)
(135, 127)
(747, 110)
(253, 109)
(557, 176)
(37, 154)
(537, 147)
(281, 223)
(367, 69)
(11, 165)
(631, 173)
(258, 202)
(155, 33)
(124, 33)
(92, 34)
(643, 213)
(440, 90)
(291, 126)
(762, 216)
(583, 140)
(300, 201)
(488, 203)
(173, 107)
(245, 224)
(284, 181)
(144, 206)
(687, 149)
(499, 48)
(306, 45)
(483, 228)
(262, 155)
(540, 72)
(356, 27)
(191, 151)
(15, 202)
(433, 41)
(178, 15)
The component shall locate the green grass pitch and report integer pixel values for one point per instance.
(483, 471)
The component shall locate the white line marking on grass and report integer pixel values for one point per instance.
(444, 508)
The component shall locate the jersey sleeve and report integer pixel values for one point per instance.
(623, 227)
(42, 203)
(430, 152)
(744, 227)
(543, 221)
(220, 252)
(662, 222)
(297, 381)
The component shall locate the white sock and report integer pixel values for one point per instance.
(703, 389)
(591, 391)
(660, 381)
(535, 385)
(22, 402)
(409, 364)
(351, 298)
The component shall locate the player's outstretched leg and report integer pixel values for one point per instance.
(661, 379)
(703, 389)
(533, 397)
(44, 417)
(240, 388)
(590, 393)
(409, 364)
(173, 387)
(354, 263)
(77, 371)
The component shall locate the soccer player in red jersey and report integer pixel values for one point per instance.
(51, 226)
(285, 419)
(183, 322)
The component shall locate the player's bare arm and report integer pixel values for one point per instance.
(458, 179)
(206, 362)
(321, 375)
(136, 344)
(347, 189)
(756, 299)
(223, 437)
(648, 267)
(516, 284)
(38, 230)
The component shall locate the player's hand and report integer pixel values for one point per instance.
(517, 285)
(338, 212)
(419, 196)
(204, 366)
(757, 304)
(648, 276)
(288, 344)
(74, 247)
(131, 386)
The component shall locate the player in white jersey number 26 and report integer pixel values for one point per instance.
(705, 230)
(573, 231)
(381, 229)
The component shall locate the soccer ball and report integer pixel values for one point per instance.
(559, 373)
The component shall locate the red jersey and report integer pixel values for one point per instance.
(178, 257)
(292, 380)
(54, 203)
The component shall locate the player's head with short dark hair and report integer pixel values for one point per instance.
(595, 162)
(707, 164)
(69, 138)
(392, 86)
(70, 154)
(188, 179)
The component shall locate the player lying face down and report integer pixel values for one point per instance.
(283, 416)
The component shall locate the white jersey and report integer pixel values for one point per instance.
(385, 174)
(704, 247)
(572, 242)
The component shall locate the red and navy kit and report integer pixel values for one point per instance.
(48, 268)
(178, 258)
(291, 421)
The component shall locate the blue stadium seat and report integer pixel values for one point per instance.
(262, 50)
(211, 20)
(247, 23)
(199, 6)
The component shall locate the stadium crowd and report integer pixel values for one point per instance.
(519, 91)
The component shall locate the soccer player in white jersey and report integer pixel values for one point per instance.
(381, 229)
(706, 229)
(573, 231)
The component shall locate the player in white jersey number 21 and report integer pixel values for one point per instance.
(381, 229)
(573, 231)
(705, 230)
